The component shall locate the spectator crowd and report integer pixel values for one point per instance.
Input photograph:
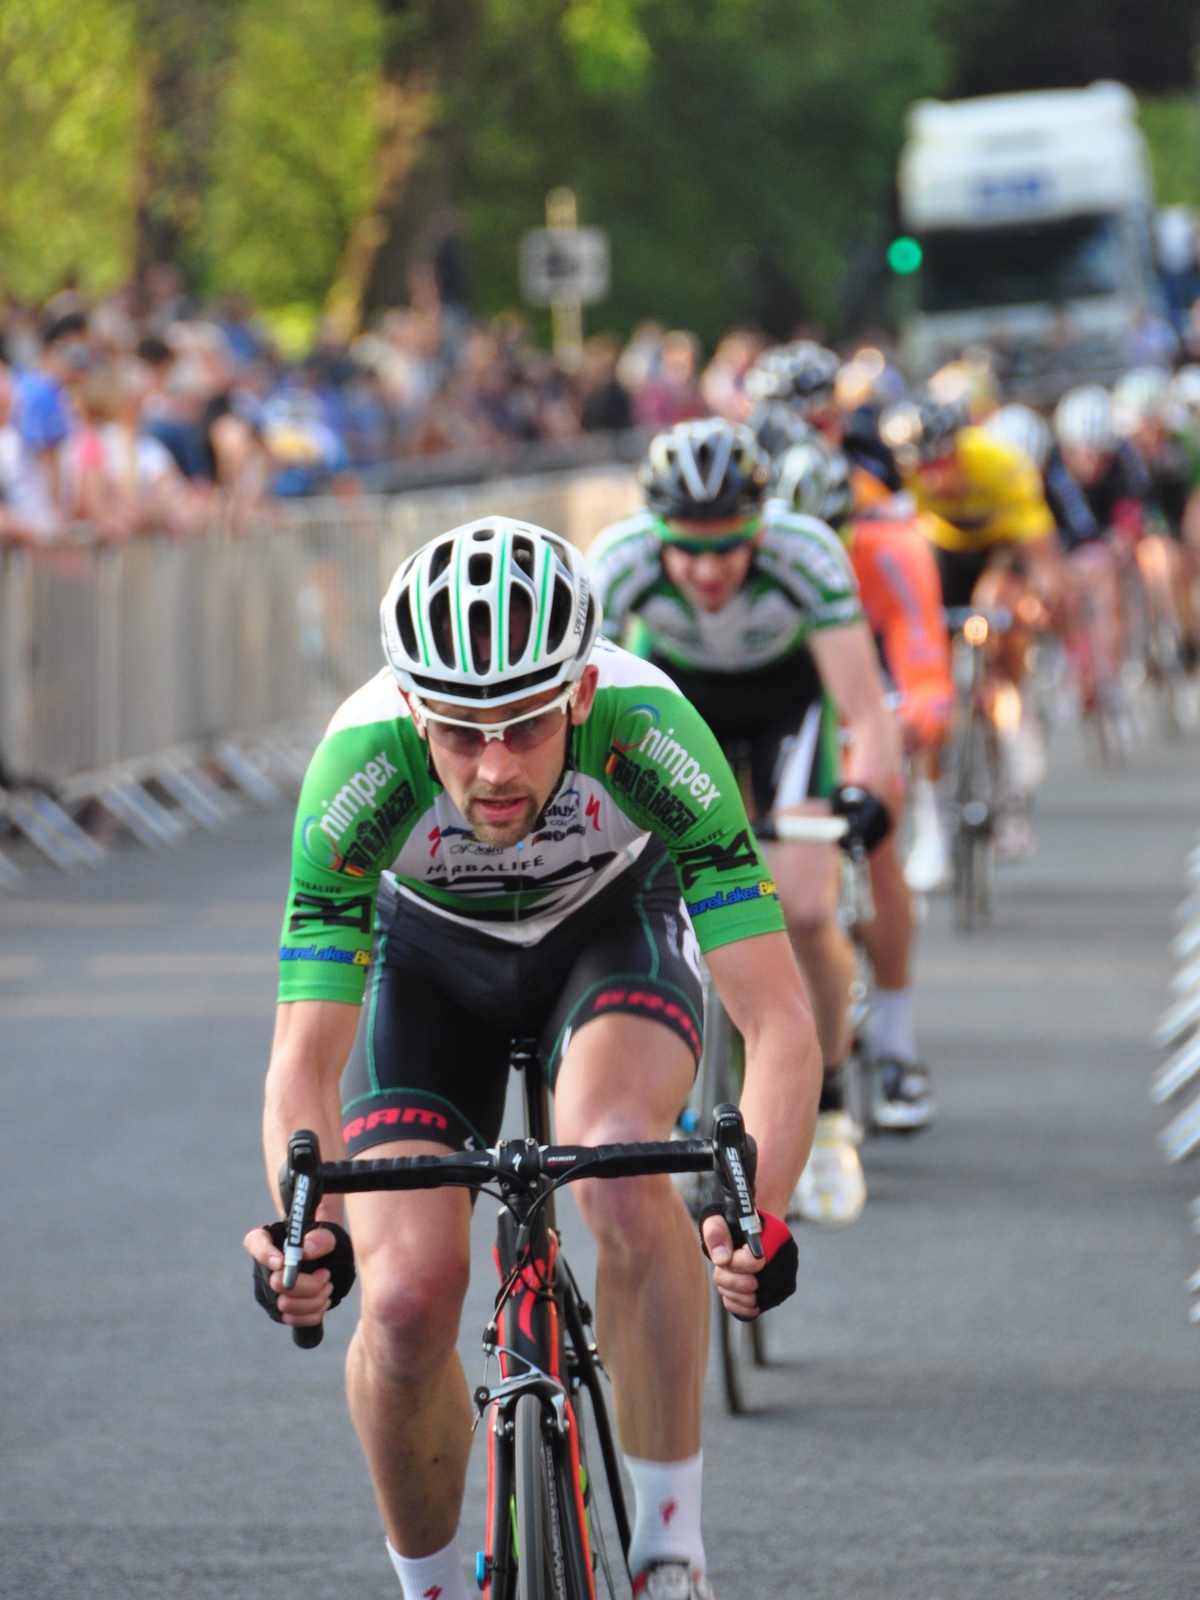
(143, 411)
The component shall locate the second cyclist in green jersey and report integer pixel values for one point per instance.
(754, 612)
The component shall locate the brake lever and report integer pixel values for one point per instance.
(731, 1146)
(300, 1188)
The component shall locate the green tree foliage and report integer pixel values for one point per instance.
(294, 152)
(737, 150)
(185, 47)
(70, 113)
(1171, 123)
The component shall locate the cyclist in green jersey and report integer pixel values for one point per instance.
(755, 613)
(512, 831)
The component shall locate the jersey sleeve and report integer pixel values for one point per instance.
(356, 805)
(665, 771)
(624, 563)
(807, 560)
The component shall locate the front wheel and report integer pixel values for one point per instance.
(541, 1570)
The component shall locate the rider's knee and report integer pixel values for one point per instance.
(624, 1216)
(410, 1311)
(810, 923)
(620, 1213)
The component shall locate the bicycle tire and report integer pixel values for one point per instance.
(743, 1351)
(541, 1559)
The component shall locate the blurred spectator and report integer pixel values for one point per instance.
(1151, 342)
(606, 402)
(671, 394)
(29, 509)
(306, 456)
(722, 382)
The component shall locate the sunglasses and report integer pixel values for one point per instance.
(693, 545)
(518, 734)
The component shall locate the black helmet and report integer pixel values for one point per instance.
(704, 471)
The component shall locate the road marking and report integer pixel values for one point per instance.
(80, 915)
(162, 964)
(13, 968)
(74, 1005)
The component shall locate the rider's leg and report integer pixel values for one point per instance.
(888, 937)
(407, 1390)
(1158, 564)
(807, 878)
(625, 1078)
(832, 1189)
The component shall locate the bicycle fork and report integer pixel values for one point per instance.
(530, 1348)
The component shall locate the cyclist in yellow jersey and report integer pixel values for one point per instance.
(985, 513)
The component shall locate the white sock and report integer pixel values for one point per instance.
(666, 1524)
(925, 806)
(892, 1024)
(436, 1577)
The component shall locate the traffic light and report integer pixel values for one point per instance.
(904, 255)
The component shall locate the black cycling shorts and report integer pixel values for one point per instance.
(444, 1003)
(960, 571)
(777, 720)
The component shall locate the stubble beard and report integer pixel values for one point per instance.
(504, 835)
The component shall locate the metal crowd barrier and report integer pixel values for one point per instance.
(139, 676)
(1179, 1030)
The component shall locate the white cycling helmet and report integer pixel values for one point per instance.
(493, 611)
(1085, 419)
(1141, 394)
(815, 480)
(1024, 428)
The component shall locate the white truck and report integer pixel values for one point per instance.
(1034, 214)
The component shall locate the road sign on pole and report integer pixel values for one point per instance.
(564, 264)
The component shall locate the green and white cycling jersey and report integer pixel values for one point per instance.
(801, 580)
(643, 765)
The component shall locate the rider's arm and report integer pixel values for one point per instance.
(312, 1042)
(760, 987)
(849, 669)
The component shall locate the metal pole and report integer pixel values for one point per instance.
(566, 316)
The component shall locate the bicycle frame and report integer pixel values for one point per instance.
(541, 1334)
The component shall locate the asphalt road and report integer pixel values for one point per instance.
(986, 1388)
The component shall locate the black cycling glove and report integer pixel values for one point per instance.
(339, 1262)
(781, 1263)
(865, 812)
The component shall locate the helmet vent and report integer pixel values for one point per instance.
(440, 559)
(439, 621)
(561, 608)
(520, 620)
(479, 571)
(404, 621)
(479, 626)
(523, 554)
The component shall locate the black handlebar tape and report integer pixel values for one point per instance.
(309, 1338)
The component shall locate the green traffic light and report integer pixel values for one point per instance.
(904, 255)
